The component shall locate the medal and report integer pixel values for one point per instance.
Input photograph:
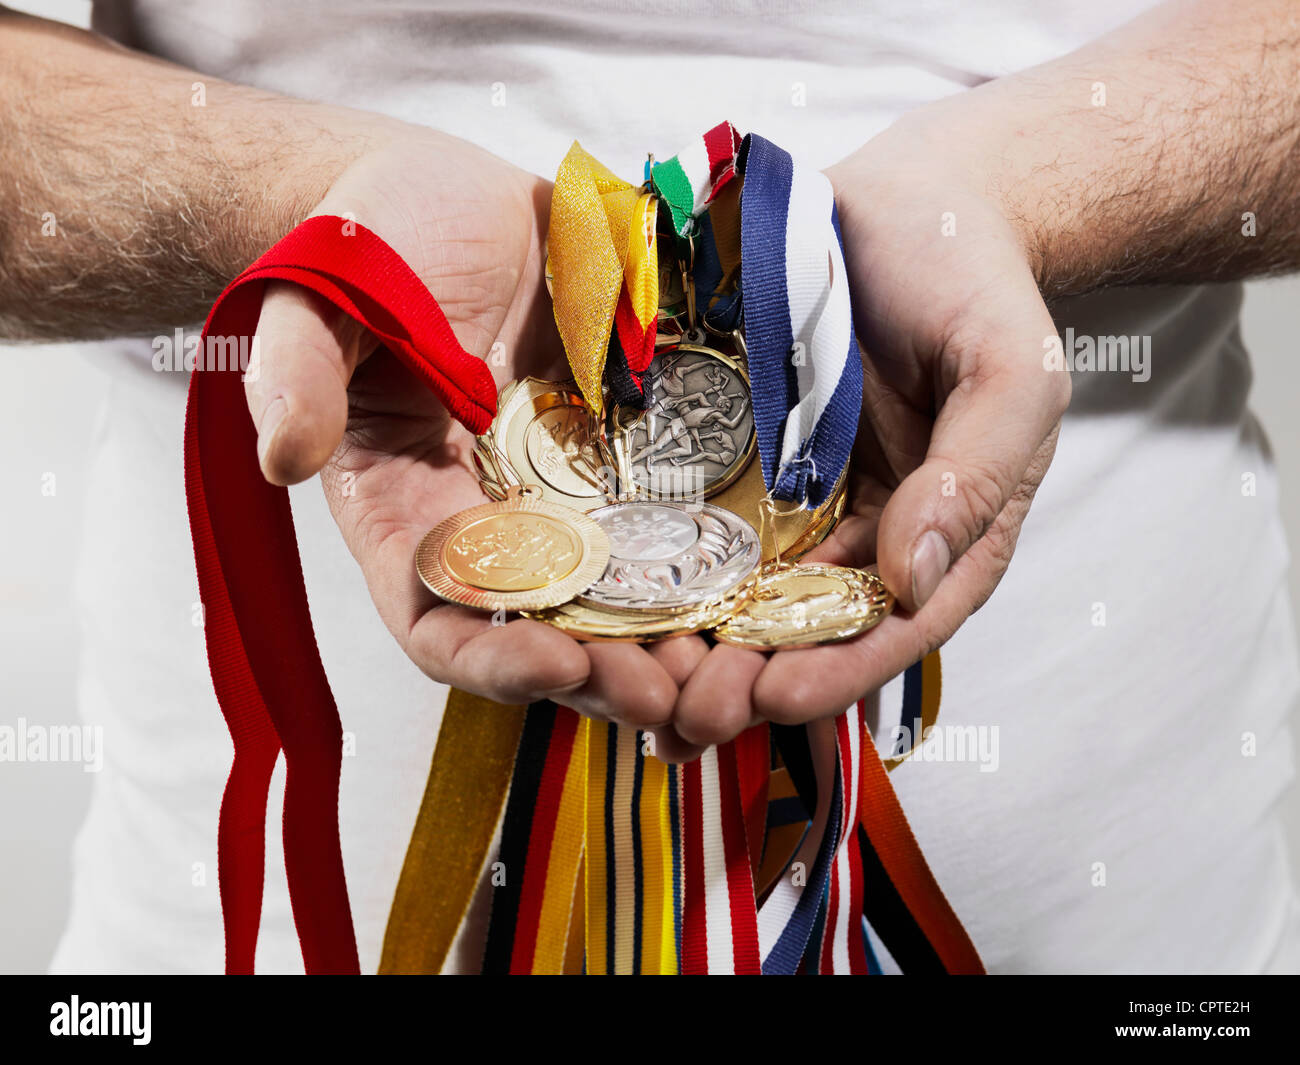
(588, 622)
(808, 604)
(544, 436)
(671, 315)
(800, 530)
(519, 554)
(603, 255)
(696, 435)
(667, 557)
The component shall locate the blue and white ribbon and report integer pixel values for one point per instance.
(804, 366)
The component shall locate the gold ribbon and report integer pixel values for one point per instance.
(468, 781)
(560, 928)
(602, 233)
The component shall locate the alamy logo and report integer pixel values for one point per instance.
(25, 742)
(182, 352)
(1099, 354)
(102, 1018)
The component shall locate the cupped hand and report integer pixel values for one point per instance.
(393, 462)
(959, 423)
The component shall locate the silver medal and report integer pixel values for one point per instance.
(669, 556)
(696, 435)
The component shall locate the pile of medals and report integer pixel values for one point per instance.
(636, 508)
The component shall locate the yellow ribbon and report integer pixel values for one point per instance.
(468, 781)
(602, 232)
(561, 922)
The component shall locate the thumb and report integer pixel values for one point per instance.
(305, 351)
(989, 430)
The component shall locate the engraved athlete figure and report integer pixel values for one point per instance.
(685, 424)
(529, 549)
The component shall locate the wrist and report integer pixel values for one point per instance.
(973, 147)
(284, 175)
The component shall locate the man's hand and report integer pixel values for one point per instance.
(1129, 161)
(393, 462)
(959, 421)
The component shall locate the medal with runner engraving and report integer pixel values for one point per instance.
(667, 557)
(808, 604)
(519, 554)
(696, 435)
(543, 436)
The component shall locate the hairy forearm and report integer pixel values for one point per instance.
(1165, 151)
(131, 195)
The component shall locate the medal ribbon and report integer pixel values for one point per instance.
(601, 243)
(804, 365)
(473, 763)
(922, 685)
(612, 862)
(261, 648)
(690, 180)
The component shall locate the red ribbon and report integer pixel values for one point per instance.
(261, 647)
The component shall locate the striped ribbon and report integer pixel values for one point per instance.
(611, 862)
(804, 366)
(798, 925)
(688, 182)
(922, 687)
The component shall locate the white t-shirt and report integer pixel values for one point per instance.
(1137, 662)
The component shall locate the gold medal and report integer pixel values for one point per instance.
(520, 554)
(798, 532)
(586, 621)
(805, 605)
(543, 436)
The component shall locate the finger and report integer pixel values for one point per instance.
(519, 662)
(306, 350)
(715, 705)
(802, 685)
(851, 543)
(805, 684)
(993, 422)
(671, 748)
(679, 656)
(626, 685)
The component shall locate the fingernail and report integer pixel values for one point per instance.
(271, 419)
(930, 561)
